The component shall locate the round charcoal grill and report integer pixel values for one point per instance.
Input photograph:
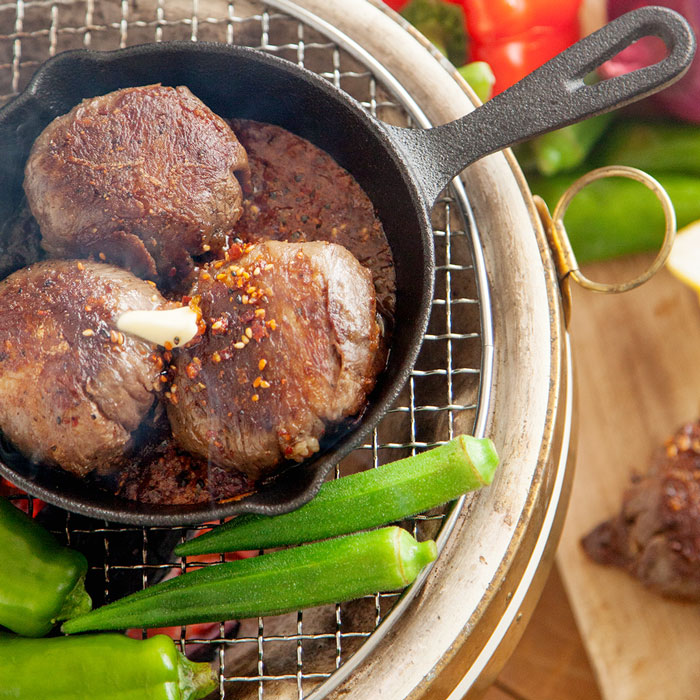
(494, 362)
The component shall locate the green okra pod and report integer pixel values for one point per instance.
(100, 667)
(41, 582)
(363, 500)
(653, 146)
(617, 216)
(566, 149)
(314, 574)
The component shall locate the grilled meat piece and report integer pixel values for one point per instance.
(143, 177)
(72, 389)
(162, 473)
(299, 193)
(656, 536)
(291, 345)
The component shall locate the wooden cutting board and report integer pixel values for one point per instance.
(637, 358)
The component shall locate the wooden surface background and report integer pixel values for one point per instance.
(638, 379)
(551, 662)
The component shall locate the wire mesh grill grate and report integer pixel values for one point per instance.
(286, 656)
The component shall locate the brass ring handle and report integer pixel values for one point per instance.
(568, 258)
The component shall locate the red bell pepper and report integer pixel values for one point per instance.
(397, 5)
(491, 20)
(516, 36)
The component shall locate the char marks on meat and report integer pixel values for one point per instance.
(656, 535)
(72, 389)
(299, 193)
(143, 177)
(291, 345)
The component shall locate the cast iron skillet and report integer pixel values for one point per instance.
(402, 171)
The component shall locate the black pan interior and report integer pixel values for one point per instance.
(245, 83)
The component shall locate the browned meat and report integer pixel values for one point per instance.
(72, 389)
(164, 474)
(656, 536)
(143, 177)
(291, 345)
(299, 193)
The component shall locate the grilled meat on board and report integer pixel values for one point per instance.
(656, 535)
(291, 345)
(72, 388)
(143, 177)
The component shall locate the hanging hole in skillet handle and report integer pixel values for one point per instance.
(552, 96)
(565, 258)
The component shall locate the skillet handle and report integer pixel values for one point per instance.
(552, 96)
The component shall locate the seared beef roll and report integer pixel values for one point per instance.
(143, 177)
(291, 345)
(72, 387)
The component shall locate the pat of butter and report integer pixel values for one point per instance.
(173, 326)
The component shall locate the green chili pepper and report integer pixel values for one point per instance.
(100, 666)
(313, 574)
(363, 500)
(567, 148)
(657, 146)
(41, 582)
(617, 216)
